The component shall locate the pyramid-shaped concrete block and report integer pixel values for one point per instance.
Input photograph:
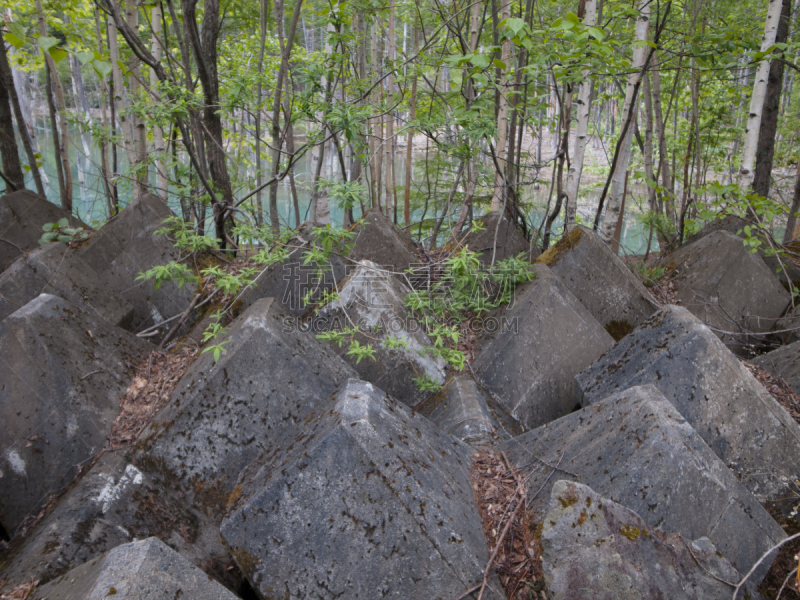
(783, 362)
(115, 502)
(543, 339)
(63, 373)
(463, 410)
(270, 379)
(144, 569)
(600, 280)
(22, 215)
(297, 286)
(380, 241)
(713, 391)
(371, 500)
(782, 267)
(126, 246)
(636, 449)
(593, 543)
(731, 290)
(499, 237)
(55, 269)
(374, 301)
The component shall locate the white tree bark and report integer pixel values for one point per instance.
(162, 183)
(583, 103)
(624, 158)
(746, 174)
(498, 198)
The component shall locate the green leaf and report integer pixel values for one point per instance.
(515, 25)
(596, 33)
(14, 40)
(17, 29)
(63, 222)
(58, 54)
(480, 60)
(45, 43)
(101, 67)
(499, 64)
(85, 57)
(64, 238)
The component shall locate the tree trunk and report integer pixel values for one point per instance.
(12, 169)
(583, 103)
(205, 53)
(628, 112)
(500, 187)
(754, 115)
(162, 181)
(139, 135)
(771, 111)
(61, 142)
(389, 141)
(663, 153)
(259, 109)
(410, 138)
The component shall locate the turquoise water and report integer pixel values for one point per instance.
(90, 204)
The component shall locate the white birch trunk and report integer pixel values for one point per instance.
(162, 183)
(746, 174)
(498, 198)
(624, 158)
(583, 103)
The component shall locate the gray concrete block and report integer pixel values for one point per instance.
(55, 269)
(221, 416)
(510, 241)
(461, 409)
(383, 243)
(290, 281)
(126, 246)
(731, 290)
(550, 338)
(716, 394)
(22, 215)
(369, 501)
(601, 281)
(783, 362)
(636, 449)
(62, 374)
(142, 570)
(373, 300)
(596, 549)
(115, 502)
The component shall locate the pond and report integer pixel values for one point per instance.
(90, 204)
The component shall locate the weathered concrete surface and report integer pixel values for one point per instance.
(127, 245)
(382, 242)
(636, 449)
(510, 241)
(461, 409)
(54, 269)
(787, 328)
(783, 362)
(601, 281)
(370, 501)
(290, 281)
(269, 381)
(530, 368)
(22, 215)
(116, 502)
(596, 549)
(727, 287)
(784, 269)
(708, 385)
(136, 571)
(62, 372)
(373, 300)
